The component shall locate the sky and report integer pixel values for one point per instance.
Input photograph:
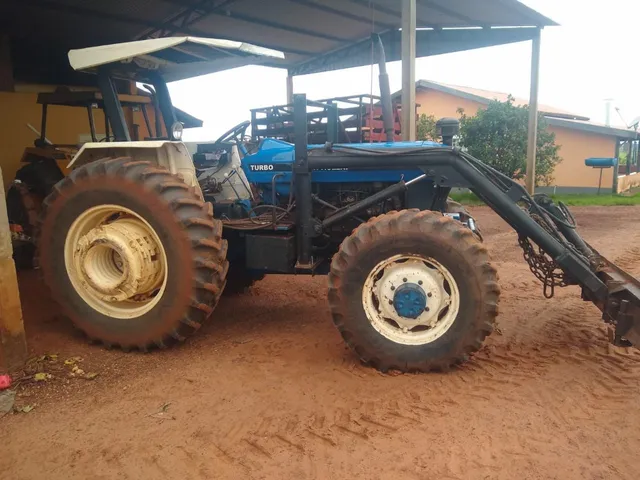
(585, 60)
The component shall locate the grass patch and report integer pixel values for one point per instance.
(466, 198)
(469, 198)
(603, 200)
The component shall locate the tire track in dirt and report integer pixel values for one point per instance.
(544, 347)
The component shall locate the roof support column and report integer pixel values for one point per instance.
(616, 167)
(533, 113)
(289, 89)
(409, 70)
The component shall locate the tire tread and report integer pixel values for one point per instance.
(209, 249)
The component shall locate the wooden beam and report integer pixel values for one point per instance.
(13, 346)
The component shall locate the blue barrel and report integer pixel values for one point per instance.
(601, 162)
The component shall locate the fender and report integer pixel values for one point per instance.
(174, 156)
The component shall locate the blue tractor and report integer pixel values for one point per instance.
(142, 238)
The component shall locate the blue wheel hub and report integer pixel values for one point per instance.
(409, 300)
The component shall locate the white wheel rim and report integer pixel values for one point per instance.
(428, 276)
(115, 261)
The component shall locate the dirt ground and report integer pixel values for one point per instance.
(268, 390)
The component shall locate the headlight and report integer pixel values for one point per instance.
(176, 131)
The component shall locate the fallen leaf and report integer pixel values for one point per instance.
(26, 408)
(72, 360)
(42, 377)
(7, 399)
(91, 375)
(162, 413)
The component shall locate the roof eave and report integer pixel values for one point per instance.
(591, 128)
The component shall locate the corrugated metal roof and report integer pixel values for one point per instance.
(303, 29)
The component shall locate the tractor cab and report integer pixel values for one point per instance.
(92, 101)
(140, 121)
(154, 62)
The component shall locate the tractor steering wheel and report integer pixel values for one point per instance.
(235, 135)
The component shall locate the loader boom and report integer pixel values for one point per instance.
(562, 256)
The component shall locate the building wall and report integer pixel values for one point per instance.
(570, 175)
(575, 147)
(440, 104)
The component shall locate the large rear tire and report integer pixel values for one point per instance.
(131, 253)
(413, 291)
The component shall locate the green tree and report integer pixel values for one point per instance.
(426, 128)
(497, 135)
(622, 158)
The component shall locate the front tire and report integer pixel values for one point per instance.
(131, 253)
(413, 291)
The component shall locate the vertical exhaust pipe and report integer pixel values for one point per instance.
(385, 89)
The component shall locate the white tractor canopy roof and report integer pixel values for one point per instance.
(174, 58)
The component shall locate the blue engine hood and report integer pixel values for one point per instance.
(277, 156)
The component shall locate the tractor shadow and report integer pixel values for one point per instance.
(247, 313)
(44, 322)
(280, 316)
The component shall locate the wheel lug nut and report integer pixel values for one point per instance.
(419, 282)
(426, 309)
(404, 279)
(390, 302)
(392, 288)
(429, 294)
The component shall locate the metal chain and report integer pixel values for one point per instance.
(541, 265)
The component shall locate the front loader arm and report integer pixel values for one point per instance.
(556, 253)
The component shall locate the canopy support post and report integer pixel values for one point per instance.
(408, 70)
(533, 113)
(289, 89)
